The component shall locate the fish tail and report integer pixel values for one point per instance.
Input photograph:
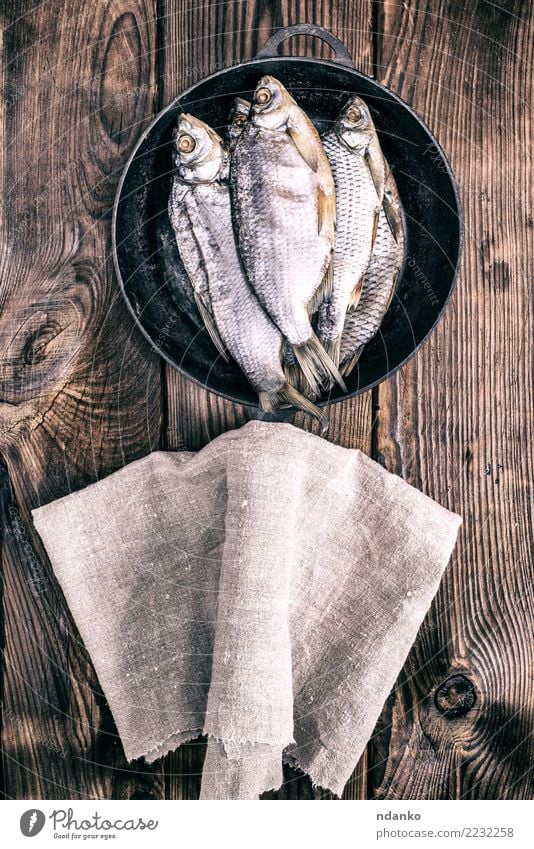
(324, 290)
(296, 399)
(271, 400)
(316, 365)
(295, 377)
(349, 364)
(333, 349)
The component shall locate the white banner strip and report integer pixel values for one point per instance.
(254, 825)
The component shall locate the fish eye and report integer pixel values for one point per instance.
(263, 96)
(354, 114)
(186, 144)
(240, 119)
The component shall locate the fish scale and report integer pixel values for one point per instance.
(284, 212)
(207, 246)
(357, 204)
(200, 213)
(283, 253)
(363, 322)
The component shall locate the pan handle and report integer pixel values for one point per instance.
(270, 48)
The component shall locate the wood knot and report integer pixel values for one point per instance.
(455, 696)
(41, 335)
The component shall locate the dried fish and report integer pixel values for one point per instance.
(236, 123)
(200, 212)
(359, 171)
(284, 210)
(363, 321)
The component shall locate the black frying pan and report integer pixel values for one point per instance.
(147, 261)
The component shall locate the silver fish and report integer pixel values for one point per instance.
(200, 212)
(359, 169)
(177, 283)
(363, 321)
(284, 209)
(238, 118)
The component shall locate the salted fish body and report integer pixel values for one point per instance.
(284, 209)
(363, 321)
(283, 253)
(358, 168)
(201, 215)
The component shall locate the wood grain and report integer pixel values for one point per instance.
(189, 50)
(457, 422)
(79, 391)
(81, 394)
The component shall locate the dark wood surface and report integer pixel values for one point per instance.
(81, 393)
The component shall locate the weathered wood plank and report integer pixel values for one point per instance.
(195, 41)
(457, 422)
(188, 51)
(79, 389)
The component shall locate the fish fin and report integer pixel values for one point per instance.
(316, 365)
(393, 217)
(391, 205)
(326, 211)
(347, 367)
(375, 228)
(356, 294)
(270, 401)
(296, 379)
(333, 349)
(293, 375)
(377, 172)
(323, 291)
(393, 288)
(303, 143)
(296, 399)
(308, 145)
(209, 323)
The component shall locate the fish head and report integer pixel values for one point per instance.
(198, 152)
(354, 126)
(239, 115)
(240, 112)
(271, 104)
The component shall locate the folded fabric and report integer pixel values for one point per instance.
(264, 591)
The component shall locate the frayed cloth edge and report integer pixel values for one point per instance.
(288, 757)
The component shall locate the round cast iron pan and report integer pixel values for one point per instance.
(146, 258)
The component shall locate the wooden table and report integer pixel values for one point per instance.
(82, 393)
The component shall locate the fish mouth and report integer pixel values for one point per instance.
(240, 111)
(355, 114)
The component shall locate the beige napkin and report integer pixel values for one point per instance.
(265, 592)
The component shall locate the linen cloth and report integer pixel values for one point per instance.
(264, 591)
